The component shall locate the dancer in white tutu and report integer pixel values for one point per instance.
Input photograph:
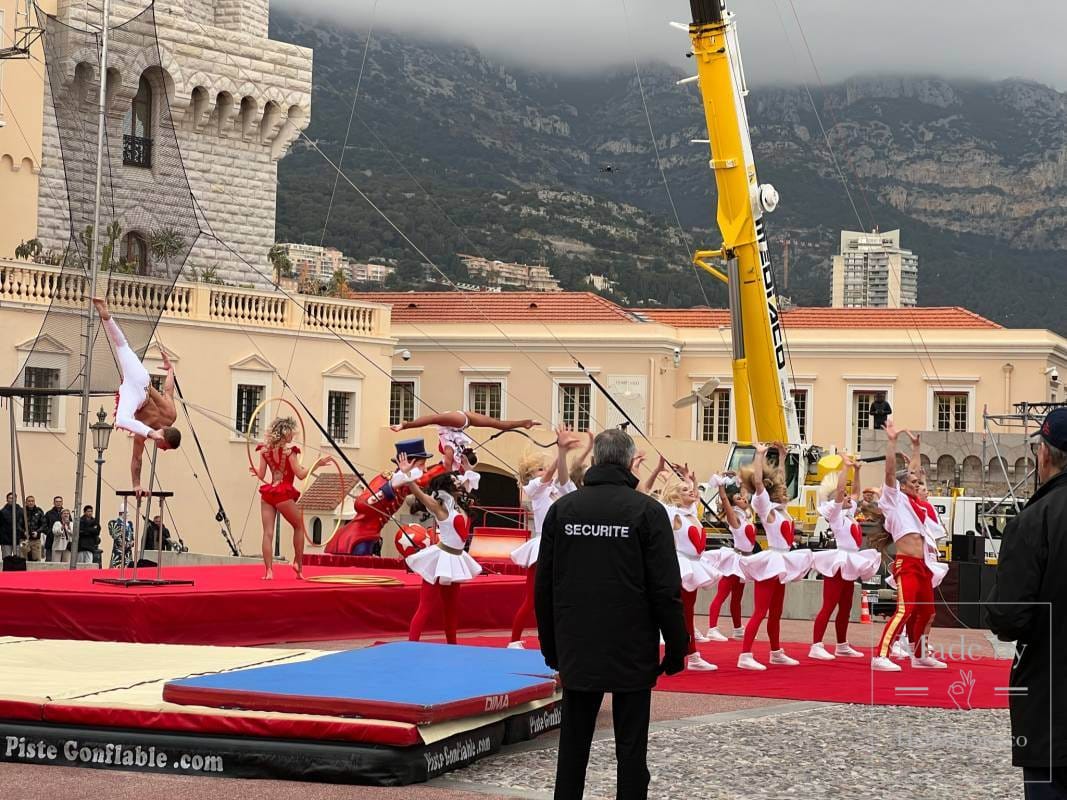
(727, 560)
(679, 498)
(843, 565)
(445, 566)
(779, 564)
(543, 488)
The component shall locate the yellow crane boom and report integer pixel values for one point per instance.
(759, 355)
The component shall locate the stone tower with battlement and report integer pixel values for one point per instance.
(238, 100)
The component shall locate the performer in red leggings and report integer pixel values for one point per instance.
(774, 567)
(914, 566)
(543, 490)
(843, 565)
(727, 560)
(445, 565)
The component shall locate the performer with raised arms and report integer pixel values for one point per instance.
(915, 565)
(727, 560)
(776, 566)
(843, 565)
(454, 443)
(445, 565)
(278, 452)
(543, 490)
(139, 407)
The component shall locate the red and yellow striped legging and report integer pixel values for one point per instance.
(915, 604)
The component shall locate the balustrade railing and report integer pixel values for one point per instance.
(37, 284)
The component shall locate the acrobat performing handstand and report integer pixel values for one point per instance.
(140, 408)
(454, 443)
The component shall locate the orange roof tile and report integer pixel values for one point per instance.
(429, 307)
(934, 317)
(325, 493)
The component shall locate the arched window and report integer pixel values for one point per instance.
(946, 470)
(972, 470)
(996, 470)
(137, 128)
(135, 252)
(316, 531)
(1023, 467)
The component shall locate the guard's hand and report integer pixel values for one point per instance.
(672, 664)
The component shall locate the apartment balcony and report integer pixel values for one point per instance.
(28, 284)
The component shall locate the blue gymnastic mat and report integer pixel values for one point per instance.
(404, 681)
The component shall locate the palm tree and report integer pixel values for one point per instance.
(279, 259)
(166, 243)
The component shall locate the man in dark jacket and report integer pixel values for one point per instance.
(34, 528)
(1029, 606)
(880, 411)
(88, 536)
(607, 586)
(12, 523)
(51, 517)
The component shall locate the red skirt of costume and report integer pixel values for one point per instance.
(274, 494)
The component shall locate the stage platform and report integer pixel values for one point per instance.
(101, 705)
(233, 605)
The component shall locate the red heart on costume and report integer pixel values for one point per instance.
(750, 534)
(857, 534)
(787, 532)
(461, 527)
(697, 538)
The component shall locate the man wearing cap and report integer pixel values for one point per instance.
(375, 506)
(1029, 606)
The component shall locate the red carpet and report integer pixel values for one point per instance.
(968, 683)
(232, 605)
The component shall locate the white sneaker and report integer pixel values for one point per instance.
(883, 664)
(781, 659)
(899, 650)
(747, 661)
(847, 650)
(928, 662)
(516, 646)
(713, 635)
(698, 636)
(819, 653)
(696, 662)
(739, 633)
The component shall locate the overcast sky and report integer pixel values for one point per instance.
(953, 38)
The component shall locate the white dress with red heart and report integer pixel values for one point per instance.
(689, 543)
(447, 562)
(846, 560)
(727, 560)
(779, 560)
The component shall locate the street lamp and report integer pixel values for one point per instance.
(101, 436)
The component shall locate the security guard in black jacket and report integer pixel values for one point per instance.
(1029, 606)
(607, 587)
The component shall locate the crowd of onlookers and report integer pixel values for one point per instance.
(40, 535)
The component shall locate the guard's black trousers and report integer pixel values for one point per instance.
(630, 713)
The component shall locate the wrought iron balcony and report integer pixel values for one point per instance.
(136, 151)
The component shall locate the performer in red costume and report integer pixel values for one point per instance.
(727, 560)
(375, 506)
(454, 443)
(776, 566)
(279, 496)
(843, 565)
(915, 569)
(543, 489)
(445, 565)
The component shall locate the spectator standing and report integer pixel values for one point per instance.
(11, 518)
(34, 530)
(120, 530)
(608, 585)
(151, 543)
(51, 517)
(62, 537)
(88, 536)
(880, 411)
(1029, 606)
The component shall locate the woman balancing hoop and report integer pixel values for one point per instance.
(278, 453)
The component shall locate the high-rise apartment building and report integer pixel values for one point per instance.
(873, 271)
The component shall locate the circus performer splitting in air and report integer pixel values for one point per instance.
(280, 495)
(455, 445)
(140, 408)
